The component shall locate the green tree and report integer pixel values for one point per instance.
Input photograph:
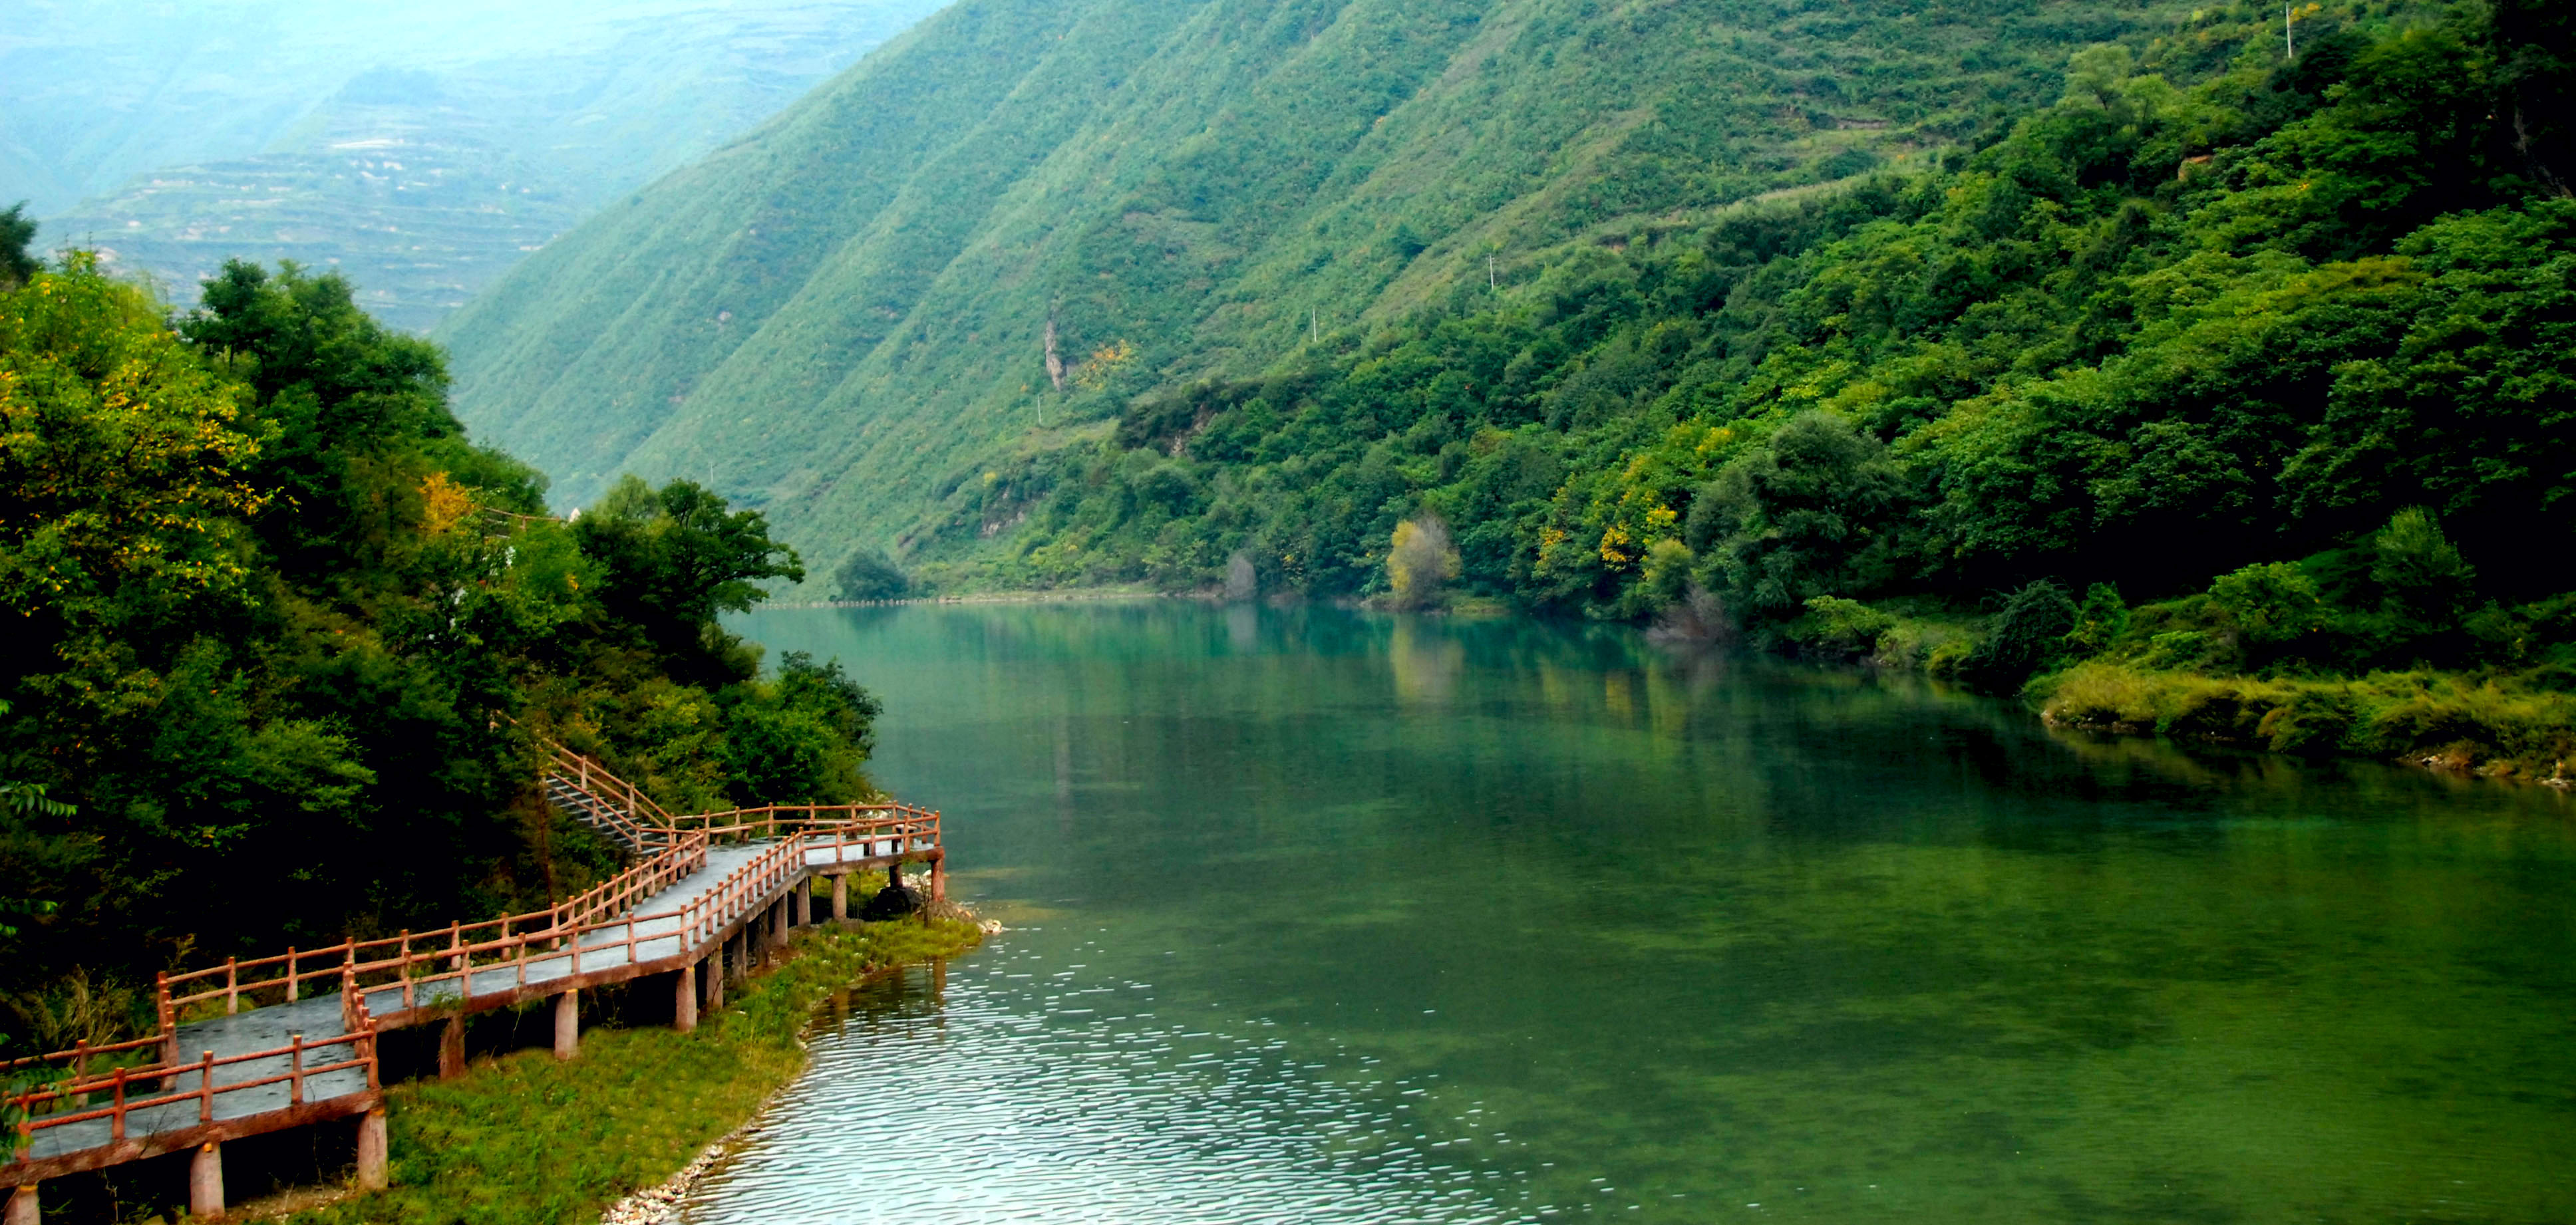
(871, 575)
(17, 234)
(675, 558)
(2028, 635)
(801, 738)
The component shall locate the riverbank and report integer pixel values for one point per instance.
(2178, 669)
(1057, 595)
(522, 1139)
(2496, 726)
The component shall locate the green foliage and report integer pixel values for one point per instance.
(851, 309)
(2027, 636)
(2207, 312)
(2499, 725)
(672, 559)
(2270, 603)
(1835, 623)
(17, 234)
(284, 626)
(870, 575)
(2428, 583)
(2100, 620)
(802, 738)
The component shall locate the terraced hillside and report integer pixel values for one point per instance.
(421, 151)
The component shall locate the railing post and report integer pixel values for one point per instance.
(206, 1089)
(232, 986)
(295, 1073)
(291, 992)
(116, 1120)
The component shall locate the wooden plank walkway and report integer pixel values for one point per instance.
(289, 1041)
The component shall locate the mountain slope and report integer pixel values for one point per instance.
(844, 316)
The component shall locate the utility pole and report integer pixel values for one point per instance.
(1314, 327)
(2289, 44)
(1489, 272)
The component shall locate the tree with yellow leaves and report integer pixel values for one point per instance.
(1421, 563)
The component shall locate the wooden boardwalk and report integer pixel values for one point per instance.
(250, 1047)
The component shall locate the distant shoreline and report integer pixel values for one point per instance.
(1052, 596)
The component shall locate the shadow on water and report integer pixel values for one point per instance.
(1325, 915)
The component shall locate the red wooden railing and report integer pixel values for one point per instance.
(66, 1103)
(417, 958)
(634, 813)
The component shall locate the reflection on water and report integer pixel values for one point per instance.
(1323, 916)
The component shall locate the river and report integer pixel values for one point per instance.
(1329, 916)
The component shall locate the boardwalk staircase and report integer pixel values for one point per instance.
(604, 802)
(257, 1046)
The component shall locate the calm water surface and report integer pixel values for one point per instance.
(1329, 916)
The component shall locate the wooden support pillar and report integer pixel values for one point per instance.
(778, 924)
(451, 1047)
(568, 1024)
(206, 1183)
(840, 897)
(797, 898)
(684, 999)
(23, 1209)
(716, 980)
(372, 1168)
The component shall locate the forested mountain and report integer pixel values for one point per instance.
(2217, 367)
(421, 149)
(848, 316)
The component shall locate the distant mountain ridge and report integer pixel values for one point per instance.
(420, 152)
(847, 315)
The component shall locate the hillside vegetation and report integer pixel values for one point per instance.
(845, 319)
(1989, 341)
(2285, 348)
(279, 635)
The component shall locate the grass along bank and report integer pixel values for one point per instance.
(522, 1139)
(2500, 726)
(2266, 658)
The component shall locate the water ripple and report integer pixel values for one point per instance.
(986, 1092)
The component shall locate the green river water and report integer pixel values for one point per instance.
(1330, 916)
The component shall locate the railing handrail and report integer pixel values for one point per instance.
(571, 918)
(79, 1052)
(586, 772)
(362, 1051)
(683, 844)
